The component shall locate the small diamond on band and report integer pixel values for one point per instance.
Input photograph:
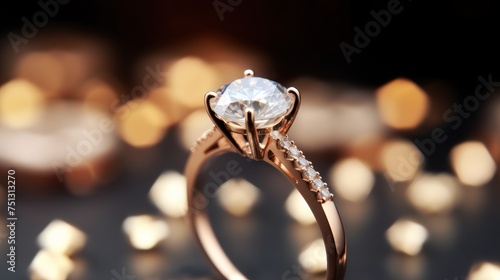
(276, 135)
(302, 163)
(324, 194)
(293, 152)
(285, 143)
(310, 175)
(317, 184)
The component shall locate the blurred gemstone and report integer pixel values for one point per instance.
(268, 99)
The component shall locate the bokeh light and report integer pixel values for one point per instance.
(401, 160)
(367, 149)
(433, 193)
(46, 69)
(313, 257)
(238, 196)
(168, 193)
(145, 232)
(21, 103)
(142, 124)
(49, 265)
(352, 179)
(99, 94)
(189, 79)
(62, 238)
(402, 104)
(407, 236)
(66, 137)
(343, 114)
(484, 271)
(298, 209)
(472, 163)
(193, 126)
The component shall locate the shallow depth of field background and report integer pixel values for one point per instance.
(100, 102)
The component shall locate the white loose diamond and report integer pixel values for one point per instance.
(268, 99)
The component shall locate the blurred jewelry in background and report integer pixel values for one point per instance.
(46, 132)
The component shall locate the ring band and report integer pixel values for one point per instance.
(252, 116)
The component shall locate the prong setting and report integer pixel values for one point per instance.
(248, 73)
(252, 136)
(290, 117)
(219, 123)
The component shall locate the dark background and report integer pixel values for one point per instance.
(447, 39)
(452, 41)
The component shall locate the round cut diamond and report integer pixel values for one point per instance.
(317, 184)
(324, 194)
(276, 135)
(310, 173)
(268, 99)
(286, 144)
(293, 152)
(302, 162)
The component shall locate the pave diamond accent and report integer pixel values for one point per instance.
(317, 184)
(324, 194)
(293, 153)
(276, 135)
(285, 144)
(309, 175)
(302, 163)
(269, 100)
(202, 138)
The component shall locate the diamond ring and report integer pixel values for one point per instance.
(252, 116)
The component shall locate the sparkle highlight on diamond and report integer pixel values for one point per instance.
(268, 99)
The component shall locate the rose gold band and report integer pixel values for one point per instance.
(215, 143)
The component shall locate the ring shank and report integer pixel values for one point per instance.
(326, 214)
